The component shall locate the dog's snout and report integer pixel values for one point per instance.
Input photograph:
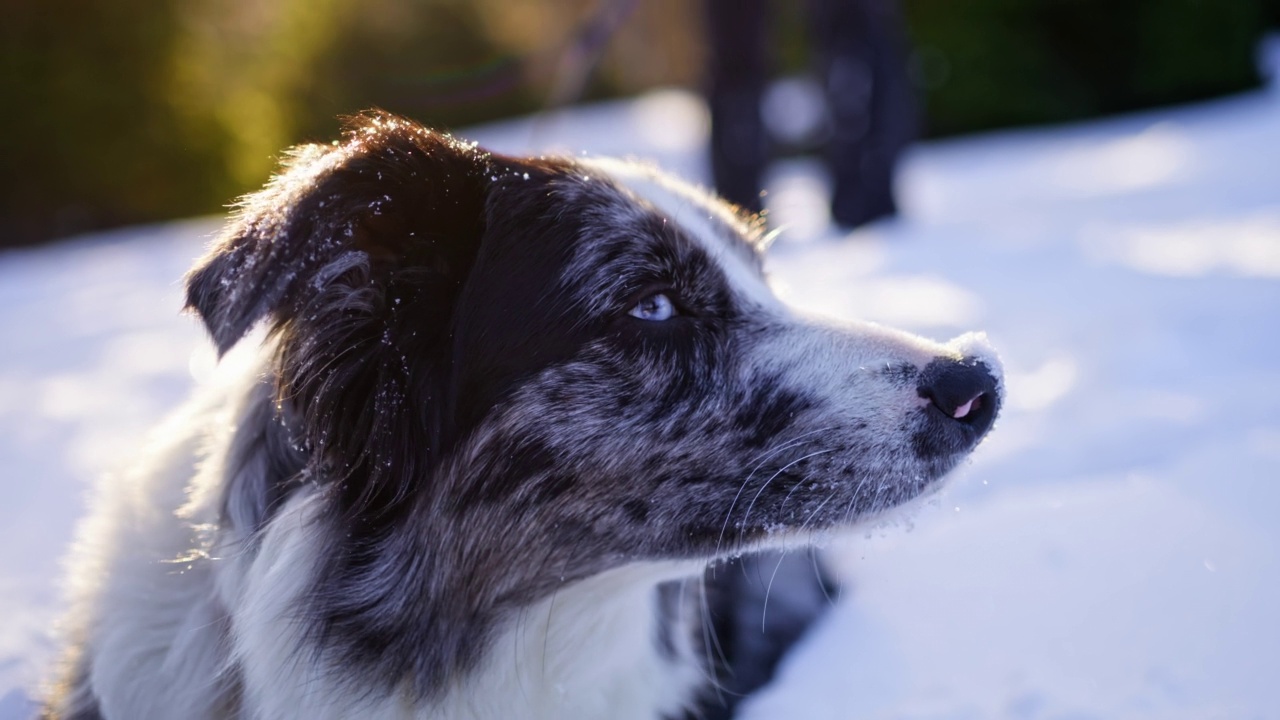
(963, 390)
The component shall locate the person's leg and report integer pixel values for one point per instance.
(861, 49)
(738, 70)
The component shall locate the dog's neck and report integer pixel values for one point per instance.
(600, 647)
(607, 645)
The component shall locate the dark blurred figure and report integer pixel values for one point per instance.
(860, 50)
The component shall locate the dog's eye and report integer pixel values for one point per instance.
(655, 308)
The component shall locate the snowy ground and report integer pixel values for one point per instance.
(1111, 552)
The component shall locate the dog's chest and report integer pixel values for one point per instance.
(608, 646)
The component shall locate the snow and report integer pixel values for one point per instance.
(1111, 552)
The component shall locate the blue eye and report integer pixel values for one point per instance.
(655, 308)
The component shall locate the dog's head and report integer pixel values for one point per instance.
(578, 356)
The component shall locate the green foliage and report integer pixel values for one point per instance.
(133, 110)
(88, 136)
(120, 111)
(993, 63)
(273, 74)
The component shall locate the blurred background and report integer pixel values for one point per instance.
(1097, 187)
(127, 111)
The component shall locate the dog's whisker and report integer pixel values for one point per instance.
(764, 607)
(766, 454)
(818, 576)
(747, 515)
(546, 635)
(804, 527)
(797, 486)
(712, 649)
(854, 497)
(756, 465)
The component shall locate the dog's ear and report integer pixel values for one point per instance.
(390, 196)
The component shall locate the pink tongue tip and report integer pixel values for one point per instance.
(964, 409)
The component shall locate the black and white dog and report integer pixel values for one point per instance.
(505, 415)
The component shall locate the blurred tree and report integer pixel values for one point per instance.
(270, 74)
(993, 63)
(120, 111)
(86, 139)
(131, 110)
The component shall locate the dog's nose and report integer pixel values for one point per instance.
(963, 390)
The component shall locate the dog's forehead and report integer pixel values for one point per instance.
(713, 225)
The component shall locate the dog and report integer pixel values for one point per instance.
(522, 438)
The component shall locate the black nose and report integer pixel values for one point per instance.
(962, 390)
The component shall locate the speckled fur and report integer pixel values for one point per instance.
(457, 479)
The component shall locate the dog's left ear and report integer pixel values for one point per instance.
(391, 197)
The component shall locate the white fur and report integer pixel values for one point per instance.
(585, 652)
(143, 603)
